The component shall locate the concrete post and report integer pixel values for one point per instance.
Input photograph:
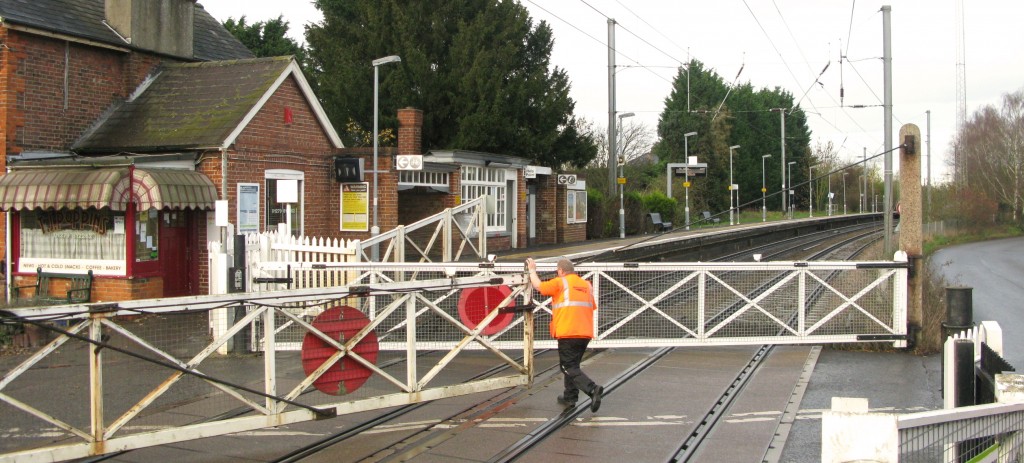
(911, 223)
(850, 433)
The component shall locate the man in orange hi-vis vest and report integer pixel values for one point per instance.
(572, 324)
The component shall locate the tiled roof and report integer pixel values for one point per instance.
(84, 19)
(187, 106)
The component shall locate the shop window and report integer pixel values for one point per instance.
(72, 234)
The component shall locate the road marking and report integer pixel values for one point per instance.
(277, 432)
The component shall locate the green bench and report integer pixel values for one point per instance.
(79, 289)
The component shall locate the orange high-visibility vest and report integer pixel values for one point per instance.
(573, 306)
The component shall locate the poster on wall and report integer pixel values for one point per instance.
(581, 206)
(355, 206)
(248, 208)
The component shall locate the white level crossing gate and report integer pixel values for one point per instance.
(151, 372)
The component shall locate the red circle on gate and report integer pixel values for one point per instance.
(476, 303)
(346, 375)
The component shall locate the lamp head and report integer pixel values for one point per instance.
(766, 156)
(386, 60)
(689, 134)
(791, 162)
(734, 147)
(625, 115)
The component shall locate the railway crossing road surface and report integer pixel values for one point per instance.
(777, 418)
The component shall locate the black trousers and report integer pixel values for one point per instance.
(570, 354)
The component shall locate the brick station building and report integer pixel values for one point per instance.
(125, 121)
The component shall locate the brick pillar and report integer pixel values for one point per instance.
(410, 131)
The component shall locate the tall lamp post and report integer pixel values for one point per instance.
(686, 177)
(844, 192)
(375, 230)
(829, 198)
(810, 188)
(764, 207)
(862, 198)
(622, 179)
(789, 168)
(731, 184)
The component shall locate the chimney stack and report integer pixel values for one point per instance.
(161, 26)
(410, 131)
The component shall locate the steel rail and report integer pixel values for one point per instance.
(690, 446)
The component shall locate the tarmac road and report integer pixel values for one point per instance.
(995, 269)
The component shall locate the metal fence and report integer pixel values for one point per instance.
(665, 304)
(975, 433)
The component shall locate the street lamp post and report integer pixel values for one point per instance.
(686, 176)
(810, 188)
(844, 192)
(622, 179)
(861, 198)
(828, 203)
(375, 230)
(789, 168)
(731, 184)
(764, 207)
(864, 167)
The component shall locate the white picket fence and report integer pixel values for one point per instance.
(278, 261)
(300, 259)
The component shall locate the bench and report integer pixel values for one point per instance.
(78, 290)
(708, 218)
(658, 224)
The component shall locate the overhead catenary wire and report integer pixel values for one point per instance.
(816, 110)
(772, 194)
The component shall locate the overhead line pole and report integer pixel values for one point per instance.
(887, 124)
(611, 108)
(782, 142)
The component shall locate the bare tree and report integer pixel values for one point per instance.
(635, 141)
(992, 143)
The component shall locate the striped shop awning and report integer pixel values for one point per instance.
(70, 188)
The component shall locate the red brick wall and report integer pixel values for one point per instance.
(268, 142)
(546, 228)
(387, 187)
(33, 93)
(40, 119)
(122, 289)
(103, 288)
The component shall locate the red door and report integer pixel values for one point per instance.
(174, 255)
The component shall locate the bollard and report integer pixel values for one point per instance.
(959, 310)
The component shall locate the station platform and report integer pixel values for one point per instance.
(582, 249)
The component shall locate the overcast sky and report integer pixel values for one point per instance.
(783, 43)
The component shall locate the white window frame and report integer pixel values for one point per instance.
(422, 178)
(478, 180)
(288, 174)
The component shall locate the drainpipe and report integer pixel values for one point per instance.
(7, 254)
(224, 192)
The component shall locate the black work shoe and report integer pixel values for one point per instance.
(595, 398)
(566, 402)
